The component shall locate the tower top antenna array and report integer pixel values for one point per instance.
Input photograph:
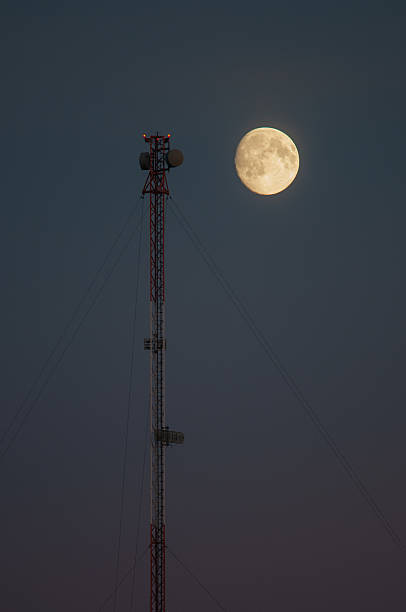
(157, 162)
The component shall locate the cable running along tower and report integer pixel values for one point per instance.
(158, 161)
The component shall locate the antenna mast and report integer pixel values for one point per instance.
(158, 160)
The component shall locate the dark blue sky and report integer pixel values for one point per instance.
(257, 505)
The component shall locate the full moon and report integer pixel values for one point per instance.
(266, 160)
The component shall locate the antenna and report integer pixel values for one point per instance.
(158, 161)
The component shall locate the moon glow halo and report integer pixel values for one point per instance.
(266, 160)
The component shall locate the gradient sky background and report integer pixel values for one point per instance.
(258, 507)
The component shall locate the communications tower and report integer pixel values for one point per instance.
(158, 161)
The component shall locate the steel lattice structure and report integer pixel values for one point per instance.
(156, 161)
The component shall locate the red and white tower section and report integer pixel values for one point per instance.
(158, 161)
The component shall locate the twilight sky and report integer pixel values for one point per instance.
(258, 507)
